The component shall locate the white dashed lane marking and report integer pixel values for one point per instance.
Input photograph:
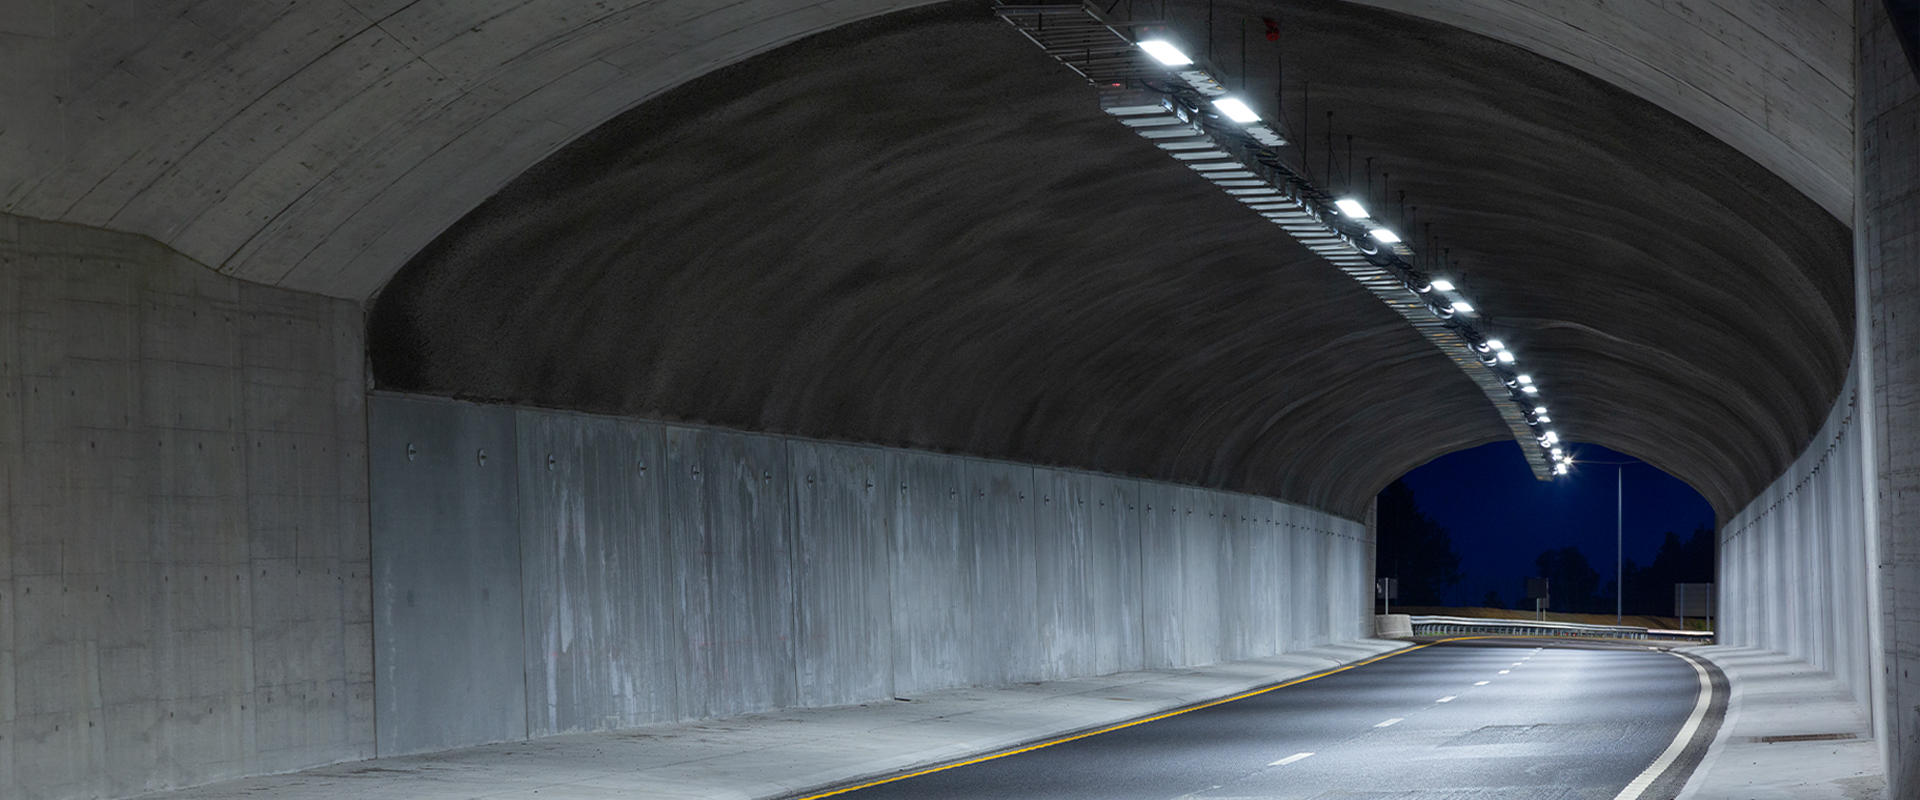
(1388, 722)
(1448, 699)
(1289, 759)
(1483, 683)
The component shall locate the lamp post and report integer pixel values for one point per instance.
(1619, 535)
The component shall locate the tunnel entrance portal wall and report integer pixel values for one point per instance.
(622, 572)
(183, 537)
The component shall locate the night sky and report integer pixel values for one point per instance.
(1501, 518)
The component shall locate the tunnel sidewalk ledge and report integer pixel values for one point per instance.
(1821, 745)
(792, 752)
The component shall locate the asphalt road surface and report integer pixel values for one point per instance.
(1488, 720)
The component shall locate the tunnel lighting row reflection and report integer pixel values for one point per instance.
(1537, 418)
(1355, 210)
(1501, 356)
(1236, 110)
(1166, 53)
(1182, 107)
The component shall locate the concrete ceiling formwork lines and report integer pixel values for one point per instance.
(1772, 78)
(920, 231)
(319, 145)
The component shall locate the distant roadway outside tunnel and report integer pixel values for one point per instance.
(1505, 718)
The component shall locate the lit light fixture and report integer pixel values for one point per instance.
(1446, 286)
(1462, 306)
(1530, 389)
(1523, 378)
(1506, 357)
(1551, 437)
(1539, 409)
(1352, 208)
(1236, 110)
(1560, 470)
(1544, 418)
(1557, 453)
(1385, 235)
(1166, 53)
(1496, 344)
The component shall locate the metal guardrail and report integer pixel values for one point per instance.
(1472, 626)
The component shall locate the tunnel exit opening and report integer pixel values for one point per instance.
(1473, 534)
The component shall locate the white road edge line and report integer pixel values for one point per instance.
(1389, 722)
(1289, 759)
(1505, 671)
(1483, 683)
(1447, 699)
(1666, 759)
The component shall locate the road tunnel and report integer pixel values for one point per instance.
(454, 379)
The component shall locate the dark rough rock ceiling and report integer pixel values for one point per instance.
(920, 231)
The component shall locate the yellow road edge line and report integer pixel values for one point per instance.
(1142, 721)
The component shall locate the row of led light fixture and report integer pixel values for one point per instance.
(1493, 353)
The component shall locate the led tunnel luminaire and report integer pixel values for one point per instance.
(1552, 438)
(1385, 235)
(1236, 110)
(1166, 53)
(1496, 344)
(1506, 357)
(1544, 418)
(1524, 378)
(1462, 307)
(1446, 286)
(1352, 208)
(1530, 389)
(1539, 409)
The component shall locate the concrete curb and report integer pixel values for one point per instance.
(1771, 696)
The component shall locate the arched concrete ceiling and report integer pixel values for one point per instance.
(1772, 78)
(920, 231)
(318, 145)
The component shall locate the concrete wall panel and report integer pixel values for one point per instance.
(1000, 519)
(843, 539)
(933, 555)
(1162, 577)
(1114, 577)
(597, 570)
(672, 572)
(730, 524)
(448, 639)
(1065, 568)
(1201, 560)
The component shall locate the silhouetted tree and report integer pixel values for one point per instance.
(1492, 600)
(1650, 588)
(1414, 549)
(1572, 583)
